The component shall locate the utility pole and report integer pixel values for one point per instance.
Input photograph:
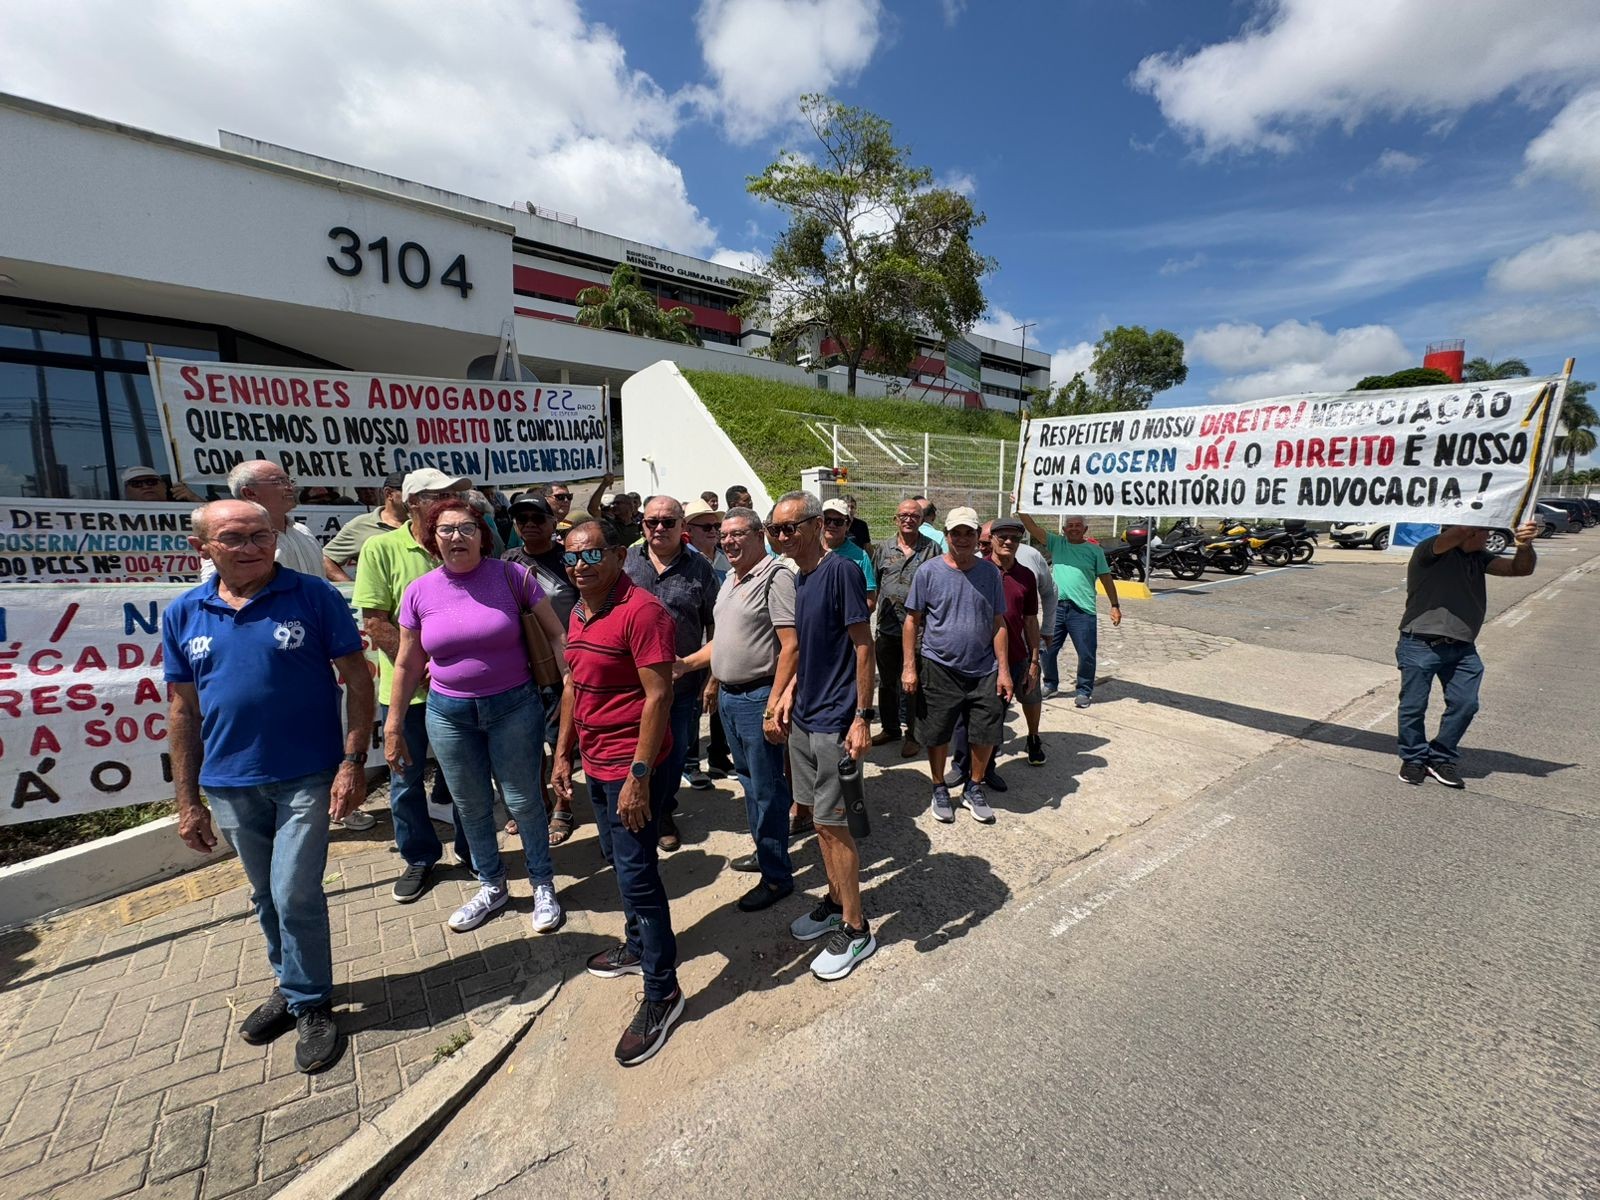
(1022, 363)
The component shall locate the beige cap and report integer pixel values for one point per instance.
(962, 516)
(699, 508)
(431, 479)
(836, 506)
(607, 500)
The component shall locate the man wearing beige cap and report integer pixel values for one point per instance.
(836, 521)
(142, 483)
(388, 563)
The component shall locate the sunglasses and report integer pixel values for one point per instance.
(787, 529)
(660, 522)
(573, 557)
(703, 528)
(561, 495)
(1008, 537)
(835, 522)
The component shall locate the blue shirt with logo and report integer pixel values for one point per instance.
(269, 696)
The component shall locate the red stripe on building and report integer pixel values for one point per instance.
(534, 281)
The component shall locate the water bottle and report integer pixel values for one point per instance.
(855, 797)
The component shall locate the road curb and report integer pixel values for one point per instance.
(356, 1167)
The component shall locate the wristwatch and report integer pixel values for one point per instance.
(867, 714)
(640, 770)
(358, 759)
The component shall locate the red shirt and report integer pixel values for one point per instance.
(605, 653)
(1022, 601)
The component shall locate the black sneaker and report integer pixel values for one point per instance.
(763, 895)
(319, 1039)
(648, 1030)
(615, 962)
(992, 780)
(697, 779)
(1446, 774)
(1035, 751)
(413, 882)
(271, 1019)
(667, 838)
(746, 862)
(1413, 773)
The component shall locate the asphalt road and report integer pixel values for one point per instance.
(1309, 980)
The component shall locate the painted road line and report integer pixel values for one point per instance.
(1515, 617)
(1086, 908)
(1214, 583)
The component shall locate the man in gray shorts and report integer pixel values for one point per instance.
(825, 717)
(957, 604)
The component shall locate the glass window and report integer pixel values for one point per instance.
(30, 327)
(120, 338)
(135, 429)
(50, 436)
(265, 354)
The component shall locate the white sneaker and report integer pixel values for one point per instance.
(546, 908)
(476, 911)
(359, 821)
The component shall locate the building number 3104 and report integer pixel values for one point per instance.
(410, 261)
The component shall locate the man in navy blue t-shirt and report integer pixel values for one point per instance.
(826, 718)
(254, 720)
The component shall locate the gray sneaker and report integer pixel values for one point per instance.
(1082, 701)
(973, 798)
(943, 810)
(486, 902)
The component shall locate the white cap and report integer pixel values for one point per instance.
(133, 473)
(962, 516)
(836, 506)
(608, 499)
(431, 479)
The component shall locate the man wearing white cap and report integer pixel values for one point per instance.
(142, 483)
(388, 564)
(836, 519)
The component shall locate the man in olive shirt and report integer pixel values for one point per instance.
(896, 564)
(1446, 600)
(343, 550)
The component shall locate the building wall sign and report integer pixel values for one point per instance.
(650, 263)
(413, 266)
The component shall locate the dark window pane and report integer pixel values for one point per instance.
(121, 338)
(135, 428)
(252, 351)
(35, 327)
(50, 443)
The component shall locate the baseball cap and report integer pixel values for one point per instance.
(836, 506)
(699, 508)
(962, 516)
(393, 481)
(133, 473)
(531, 500)
(1006, 525)
(431, 479)
(609, 499)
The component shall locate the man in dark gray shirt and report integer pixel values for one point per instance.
(1446, 600)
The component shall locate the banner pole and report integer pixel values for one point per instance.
(1022, 454)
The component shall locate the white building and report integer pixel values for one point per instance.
(113, 239)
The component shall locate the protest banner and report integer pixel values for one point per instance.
(115, 541)
(351, 428)
(83, 705)
(1469, 454)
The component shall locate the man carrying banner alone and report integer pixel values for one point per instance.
(254, 720)
(1446, 600)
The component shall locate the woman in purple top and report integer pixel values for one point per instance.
(461, 626)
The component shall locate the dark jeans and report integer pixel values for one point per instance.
(644, 898)
(759, 765)
(1084, 630)
(894, 706)
(414, 834)
(1459, 670)
(684, 722)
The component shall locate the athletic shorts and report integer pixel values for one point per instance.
(944, 695)
(814, 773)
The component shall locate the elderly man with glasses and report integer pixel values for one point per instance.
(896, 566)
(267, 484)
(685, 583)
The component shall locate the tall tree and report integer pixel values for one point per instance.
(1578, 420)
(1409, 378)
(1131, 365)
(629, 307)
(873, 254)
(1481, 370)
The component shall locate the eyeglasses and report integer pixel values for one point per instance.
(457, 531)
(238, 541)
(1008, 537)
(917, 517)
(282, 481)
(660, 522)
(835, 522)
(787, 529)
(704, 527)
(573, 557)
(983, 543)
(146, 481)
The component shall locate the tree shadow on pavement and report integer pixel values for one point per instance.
(1476, 764)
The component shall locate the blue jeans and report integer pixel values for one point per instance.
(280, 831)
(684, 722)
(644, 898)
(414, 834)
(482, 739)
(1084, 630)
(759, 765)
(1459, 670)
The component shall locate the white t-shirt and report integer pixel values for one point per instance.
(297, 550)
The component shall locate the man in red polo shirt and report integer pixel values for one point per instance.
(620, 651)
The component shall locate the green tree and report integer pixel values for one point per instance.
(1578, 420)
(873, 254)
(628, 306)
(1131, 365)
(1481, 370)
(1409, 378)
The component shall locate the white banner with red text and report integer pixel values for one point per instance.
(1467, 454)
(350, 428)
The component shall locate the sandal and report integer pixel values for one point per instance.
(560, 826)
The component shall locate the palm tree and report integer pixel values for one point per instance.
(1481, 370)
(1578, 419)
(626, 305)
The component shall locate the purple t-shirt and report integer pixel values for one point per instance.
(471, 626)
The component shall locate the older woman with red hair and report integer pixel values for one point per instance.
(461, 623)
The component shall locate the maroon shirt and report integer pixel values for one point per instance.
(1022, 601)
(605, 652)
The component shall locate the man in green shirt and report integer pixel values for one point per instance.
(388, 563)
(1075, 565)
(836, 520)
(343, 550)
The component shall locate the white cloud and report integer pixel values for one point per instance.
(1566, 262)
(1181, 266)
(961, 183)
(1522, 329)
(503, 101)
(740, 260)
(999, 324)
(953, 10)
(1069, 360)
(1305, 64)
(764, 54)
(1295, 357)
(1396, 162)
(1570, 145)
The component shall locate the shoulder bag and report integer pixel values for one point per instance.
(541, 654)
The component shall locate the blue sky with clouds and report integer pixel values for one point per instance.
(1306, 190)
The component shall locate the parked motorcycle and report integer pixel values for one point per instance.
(1182, 558)
(1231, 555)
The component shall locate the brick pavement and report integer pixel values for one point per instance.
(122, 1071)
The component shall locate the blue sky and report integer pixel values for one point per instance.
(1306, 190)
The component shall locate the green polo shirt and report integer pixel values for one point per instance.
(388, 564)
(1075, 569)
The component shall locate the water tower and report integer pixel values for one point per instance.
(1447, 357)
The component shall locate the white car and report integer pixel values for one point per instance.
(1349, 534)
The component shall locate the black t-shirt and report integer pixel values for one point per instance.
(1445, 593)
(859, 533)
(551, 572)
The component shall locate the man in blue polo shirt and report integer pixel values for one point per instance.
(254, 720)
